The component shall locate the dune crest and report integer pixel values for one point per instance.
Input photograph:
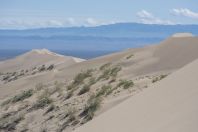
(168, 106)
(179, 35)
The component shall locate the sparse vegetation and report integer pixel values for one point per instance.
(104, 90)
(71, 117)
(42, 68)
(51, 108)
(51, 67)
(159, 78)
(84, 90)
(82, 76)
(105, 66)
(69, 95)
(20, 97)
(110, 72)
(129, 57)
(42, 101)
(9, 123)
(93, 104)
(125, 84)
(57, 88)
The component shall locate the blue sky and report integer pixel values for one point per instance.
(19, 14)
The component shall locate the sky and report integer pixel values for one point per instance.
(23, 14)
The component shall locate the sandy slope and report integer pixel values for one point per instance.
(171, 54)
(36, 58)
(169, 106)
(168, 56)
(140, 65)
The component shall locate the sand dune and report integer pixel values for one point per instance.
(168, 106)
(169, 55)
(161, 107)
(28, 61)
(166, 57)
(37, 58)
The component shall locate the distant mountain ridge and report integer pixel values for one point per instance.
(112, 30)
(111, 37)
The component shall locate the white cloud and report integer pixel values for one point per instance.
(148, 18)
(92, 22)
(35, 23)
(185, 12)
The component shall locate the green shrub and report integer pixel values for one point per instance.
(84, 90)
(82, 76)
(42, 68)
(115, 70)
(42, 101)
(125, 84)
(104, 90)
(93, 104)
(92, 81)
(69, 94)
(105, 75)
(159, 78)
(105, 66)
(20, 97)
(10, 123)
(51, 108)
(110, 72)
(24, 95)
(51, 67)
(128, 57)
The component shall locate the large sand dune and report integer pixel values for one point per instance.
(36, 58)
(162, 107)
(169, 106)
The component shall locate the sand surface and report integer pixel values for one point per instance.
(168, 106)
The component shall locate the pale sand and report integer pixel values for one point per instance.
(168, 56)
(168, 106)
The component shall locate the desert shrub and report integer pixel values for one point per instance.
(125, 84)
(128, 57)
(84, 90)
(163, 76)
(115, 70)
(51, 67)
(92, 81)
(93, 104)
(110, 72)
(82, 76)
(20, 97)
(105, 75)
(71, 117)
(104, 90)
(69, 94)
(159, 78)
(42, 101)
(42, 68)
(6, 77)
(51, 108)
(155, 80)
(57, 88)
(10, 123)
(110, 90)
(6, 102)
(113, 79)
(105, 66)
